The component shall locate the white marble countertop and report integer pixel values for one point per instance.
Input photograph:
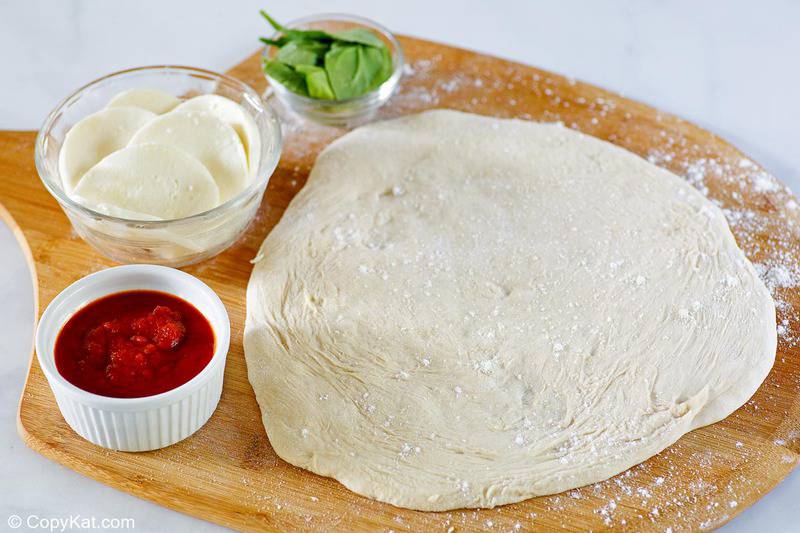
(729, 66)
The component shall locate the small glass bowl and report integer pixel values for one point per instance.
(177, 242)
(339, 113)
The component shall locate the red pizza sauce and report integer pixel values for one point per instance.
(133, 344)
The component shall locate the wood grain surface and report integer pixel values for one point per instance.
(227, 472)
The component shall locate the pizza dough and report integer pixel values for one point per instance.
(461, 311)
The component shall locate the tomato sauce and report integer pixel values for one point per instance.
(133, 344)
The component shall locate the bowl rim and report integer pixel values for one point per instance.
(55, 314)
(64, 199)
(398, 58)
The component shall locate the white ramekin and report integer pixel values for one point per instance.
(150, 422)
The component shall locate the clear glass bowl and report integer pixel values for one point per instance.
(340, 113)
(177, 242)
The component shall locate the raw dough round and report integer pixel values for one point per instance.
(461, 311)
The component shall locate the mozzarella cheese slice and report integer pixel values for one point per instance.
(234, 115)
(152, 100)
(94, 137)
(156, 180)
(114, 210)
(208, 139)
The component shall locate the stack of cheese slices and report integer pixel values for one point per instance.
(150, 156)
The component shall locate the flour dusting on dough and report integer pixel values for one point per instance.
(527, 290)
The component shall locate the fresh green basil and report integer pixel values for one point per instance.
(301, 53)
(359, 36)
(353, 69)
(296, 35)
(386, 66)
(328, 66)
(286, 76)
(317, 82)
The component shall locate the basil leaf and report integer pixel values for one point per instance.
(376, 59)
(317, 82)
(302, 53)
(353, 35)
(298, 35)
(386, 69)
(360, 36)
(286, 76)
(352, 68)
(274, 42)
(272, 22)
